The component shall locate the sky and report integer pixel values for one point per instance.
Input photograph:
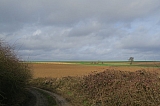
(69, 30)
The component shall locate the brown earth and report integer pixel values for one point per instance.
(58, 70)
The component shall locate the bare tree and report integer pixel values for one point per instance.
(131, 59)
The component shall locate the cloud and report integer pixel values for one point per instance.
(143, 37)
(73, 11)
(37, 32)
(81, 29)
(85, 28)
(142, 43)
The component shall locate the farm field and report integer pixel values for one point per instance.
(64, 69)
(131, 86)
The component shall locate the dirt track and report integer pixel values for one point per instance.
(41, 99)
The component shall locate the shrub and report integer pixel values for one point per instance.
(107, 88)
(122, 88)
(14, 75)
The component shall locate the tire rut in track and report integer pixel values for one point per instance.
(41, 100)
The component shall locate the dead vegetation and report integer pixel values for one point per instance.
(14, 76)
(107, 88)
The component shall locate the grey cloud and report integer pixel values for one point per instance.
(12, 12)
(81, 29)
(141, 42)
(71, 11)
(85, 28)
(108, 11)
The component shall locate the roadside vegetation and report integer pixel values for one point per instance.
(14, 77)
(108, 88)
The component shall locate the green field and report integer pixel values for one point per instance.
(122, 63)
(108, 63)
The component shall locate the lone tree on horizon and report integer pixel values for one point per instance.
(131, 59)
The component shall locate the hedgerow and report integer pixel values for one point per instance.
(14, 76)
(108, 88)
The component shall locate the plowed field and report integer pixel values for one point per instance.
(58, 70)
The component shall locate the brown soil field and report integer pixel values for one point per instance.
(58, 70)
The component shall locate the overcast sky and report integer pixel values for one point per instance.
(58, 30)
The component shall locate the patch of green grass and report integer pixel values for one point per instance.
(119, 63)
(108, 63)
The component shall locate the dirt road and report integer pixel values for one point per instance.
(41, 100)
